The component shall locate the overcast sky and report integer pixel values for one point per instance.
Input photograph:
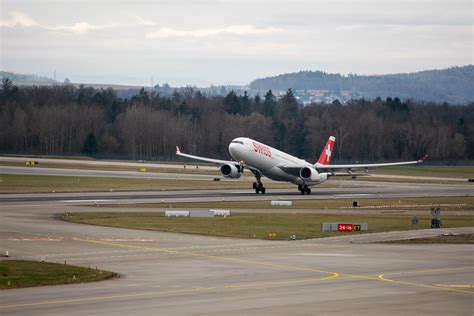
(230, 41)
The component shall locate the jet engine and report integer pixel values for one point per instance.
(230, 171)
(311, 175)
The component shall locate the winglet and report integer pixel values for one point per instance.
(178, 151)
(423, 158)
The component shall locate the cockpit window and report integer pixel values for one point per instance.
(237, 142)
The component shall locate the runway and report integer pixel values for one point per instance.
(335, 189)
(347, 190)
(176, 274)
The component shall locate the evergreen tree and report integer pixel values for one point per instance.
(141, 97)
(269, 104)
(9, 90)
(232, 104)
(90, 145)
(257, 100)
(257, 104)
(245, 104)
(289, 104)
(6, 85)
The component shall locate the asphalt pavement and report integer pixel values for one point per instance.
(183, 274)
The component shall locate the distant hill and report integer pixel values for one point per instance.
(26, 79)
(452, 85)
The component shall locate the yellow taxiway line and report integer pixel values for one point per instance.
(186, 253)
(333, 275)
(110, 297)
(434, 286)
(462, 286)
(427, 270)
(265, 283)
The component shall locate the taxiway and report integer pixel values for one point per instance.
(182, 274)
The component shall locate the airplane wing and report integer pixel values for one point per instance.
(351, 167)
(216, 161)
(293, 170)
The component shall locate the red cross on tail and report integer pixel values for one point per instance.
(326, 154)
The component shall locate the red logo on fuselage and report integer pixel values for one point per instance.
(262, 149)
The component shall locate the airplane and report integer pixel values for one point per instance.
(263, 160)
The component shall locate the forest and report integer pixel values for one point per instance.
(69, 120)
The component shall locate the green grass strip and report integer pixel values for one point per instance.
(22, 273)
(259, 225)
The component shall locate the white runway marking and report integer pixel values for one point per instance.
(83, 201)
(325, 254)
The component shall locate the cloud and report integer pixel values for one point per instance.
(241, 30)
(77, 28)
(18, 19)
(142, 21)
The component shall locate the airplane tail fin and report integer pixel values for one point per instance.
(326, 154)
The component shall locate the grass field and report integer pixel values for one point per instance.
(445, 203)
(39, 183)
(190, 169)
(404, 179)
(258, 225)
(20, 273)
(428, 171)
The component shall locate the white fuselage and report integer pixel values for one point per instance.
(266, 159)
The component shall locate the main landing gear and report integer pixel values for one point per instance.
(304, 189)
(259, 188)
(258, 185)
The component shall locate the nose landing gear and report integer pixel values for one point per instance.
(304, 189)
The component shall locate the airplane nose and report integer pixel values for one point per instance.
(232, 150)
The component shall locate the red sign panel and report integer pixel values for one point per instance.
(344, 227)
